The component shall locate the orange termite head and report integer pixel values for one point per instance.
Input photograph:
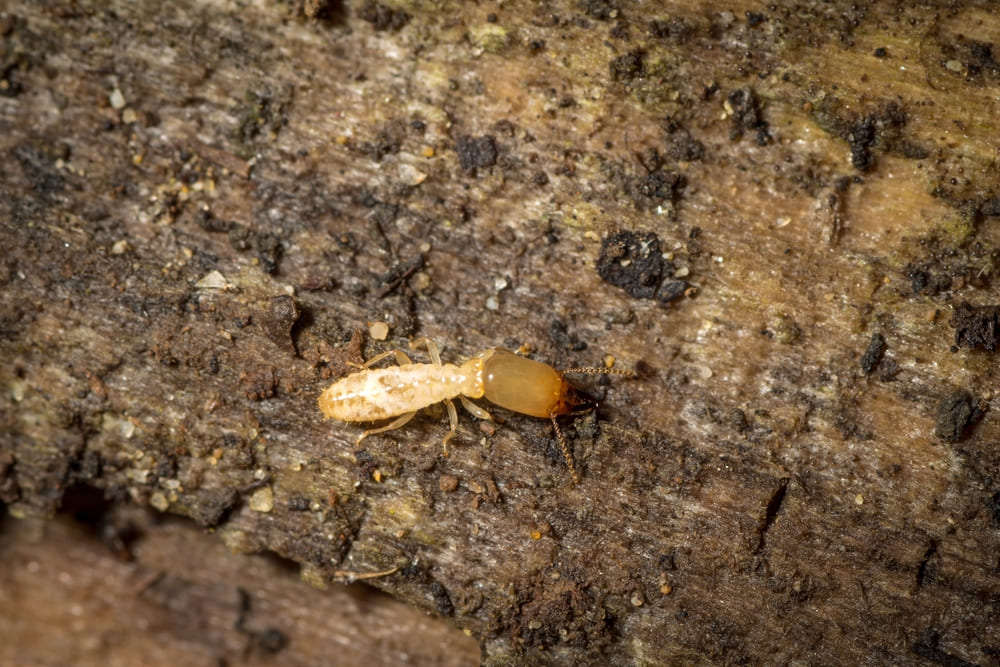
(528, 386)
(531, 387)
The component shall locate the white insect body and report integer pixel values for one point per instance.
(381, 393)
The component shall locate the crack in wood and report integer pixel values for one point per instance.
(771, 512)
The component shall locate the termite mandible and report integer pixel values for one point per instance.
(498, 375)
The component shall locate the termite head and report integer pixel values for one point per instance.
(573, 401)
(531, 387)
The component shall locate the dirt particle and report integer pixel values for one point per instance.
(873, 355)
(746, 116)
(448, 483)
(387, 141)
(278, 320)
(267, 246)
(982, 58)
(557, 611)
(240, 237)
(208, 509)
(269, 250)
(602, 10)
(298, 503)
(159, 501)
(976, 326)
(675, 30)
(261, 117)
(378, 330)
(476, 152)
(860, 139)
(259, 384)
(442, 600)
(682, 147)
(922, 281)
(262, 500)
(383, 17)
(205, 219)
(888, 369)
(671, 289)
(627, 67)
(738, 420)
(634, 261)
(876, 129)
(657, 188)
(956, 412)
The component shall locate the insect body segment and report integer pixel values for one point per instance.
(502, 377)
(527, 386)
(374, 394)
(387, 392)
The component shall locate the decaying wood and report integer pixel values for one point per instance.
(784, 217)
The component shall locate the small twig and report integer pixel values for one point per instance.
(359, 576)
(399, 274)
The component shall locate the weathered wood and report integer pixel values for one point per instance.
(75, 596)
(814, 175)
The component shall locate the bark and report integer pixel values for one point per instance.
(784, 218)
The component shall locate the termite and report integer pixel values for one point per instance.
(498, 375)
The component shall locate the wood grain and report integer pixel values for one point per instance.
(813, 175)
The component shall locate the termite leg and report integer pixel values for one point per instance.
(401, 359)
(565, 450)
(395, 423)
(432, 348)
(453, 420)
(476, 411)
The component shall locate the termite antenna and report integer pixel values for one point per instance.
(565, 450)
(600, 371)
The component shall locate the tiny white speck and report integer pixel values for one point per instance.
(116, 99)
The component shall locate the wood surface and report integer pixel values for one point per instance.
(783, 217)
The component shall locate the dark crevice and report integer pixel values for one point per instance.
(771, 512)
(925, 570)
